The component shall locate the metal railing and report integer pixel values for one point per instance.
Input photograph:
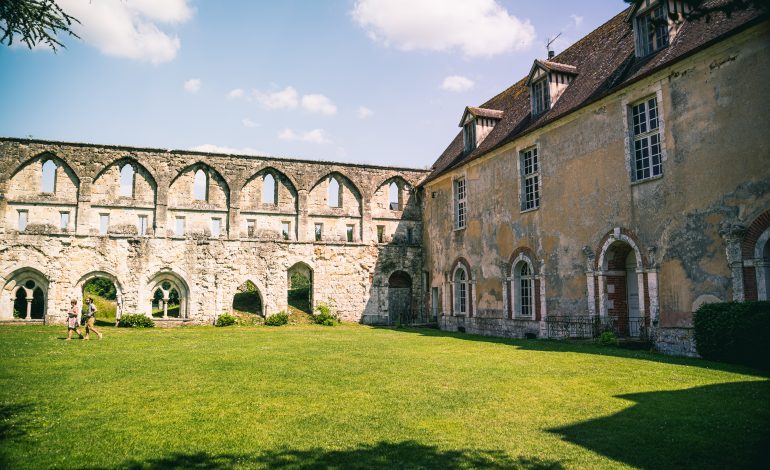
(587, 326)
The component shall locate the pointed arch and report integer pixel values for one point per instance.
(111, 181)
(62, 180)
(166, 280)
(24, 291)
(254, 186)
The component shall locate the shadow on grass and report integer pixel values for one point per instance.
(584, 347)
(408, 454)
(715, 426)
(12, 426)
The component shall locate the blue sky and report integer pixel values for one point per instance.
(367, 81)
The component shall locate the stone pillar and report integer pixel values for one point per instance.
(302, 216)
(732, 234)
(234, 215)
(29, 307)
(165, 304)
(83, 212)
(590, 284)
(3, 203)
(366, 220)
(161, 209)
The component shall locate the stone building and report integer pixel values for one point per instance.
(202, 225)
(621, 184)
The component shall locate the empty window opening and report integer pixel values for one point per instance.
(105, 295)
(335, 196)
(141, 225)
(48, 178)
(127, 181)
(380, 233)
(104, 223)
(216, 227)
(179, 227)
(286, 230)
(29, 301)
(23, 220)
(269, 190)
(410, 235)
(251, 226)
(64, 221)
(319, 230)
(166, 301)
(394, 197)
(248, 300)
(349, 232)
(200, 186)
(300, 288)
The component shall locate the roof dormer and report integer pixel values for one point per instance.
(655, 23)
(547, 81)
(477, 123)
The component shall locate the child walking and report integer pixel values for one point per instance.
(91, 318)
(72, 320)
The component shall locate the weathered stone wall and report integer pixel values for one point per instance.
(682, 226)
(206, 270)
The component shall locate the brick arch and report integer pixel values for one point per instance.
(529, 254)
(753, 276)
(626, 236)
(753, 232)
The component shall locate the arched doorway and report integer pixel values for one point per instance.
(168, 297)
(622, 289)
(300, 287)
(30, 302)
(106, 291)
(400, 297)
(248, 300)
(24, 296)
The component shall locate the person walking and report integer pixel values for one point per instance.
(72, 320)
(91, 318)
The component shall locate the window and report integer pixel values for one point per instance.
(269, 190)
(651, 30)
(409, 235)
(469, 135)
(23, 220)
(541, 99)
(460, 203)
(201, 186)
(523, 284)
(335, 196)
(461, 291)
(251, 225)
(319, 231)
(216, 227)
(285, 230)
(647, 161)
(127, 181)
(380, 233)
(141, 225)
(349, 232)
(394, 197)
(104, 223)
(64, 221)
(179, 227)
(48, 180)
(530, 179)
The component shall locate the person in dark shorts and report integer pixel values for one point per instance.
(91, 318)
(72, 320)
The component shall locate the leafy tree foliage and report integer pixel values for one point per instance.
(34, 22)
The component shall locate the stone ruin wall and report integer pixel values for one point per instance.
(206, 269)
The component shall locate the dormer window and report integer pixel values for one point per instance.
(541, 98)
(547, 81)
(651, 29)
(477, 123)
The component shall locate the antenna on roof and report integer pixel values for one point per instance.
(550, 41)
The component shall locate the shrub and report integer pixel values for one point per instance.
(280, 318)
(325, 315)
(608, 338)
(136, 320)
(225, 320)
(734, 332)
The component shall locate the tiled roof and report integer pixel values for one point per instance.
(481, 112)
(556, 67)
(607, 63)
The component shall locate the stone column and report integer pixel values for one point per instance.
(732, 234)
(83, 212)
(302, 215)
(3, 203)
(165, 304)
(590, 285)
(366, 220)
(234, 215)
(29, 307)
(161, 209)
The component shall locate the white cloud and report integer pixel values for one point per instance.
(319, 104)
(478, 28)
(211, 148)
(457, 83)
(316, 136)
(578, 20)
(130, 28)
(235, 94)
(248, 123)
(192, 85)
(364, 112)
(288, 98)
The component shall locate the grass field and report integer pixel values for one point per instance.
(351, 396)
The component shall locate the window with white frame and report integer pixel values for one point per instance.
(460, 203)
(23, 220)
(460, 291)
(530, 179)
(541, 99)
(651, 30)
(64, 221)
(524, 288)
(646, 158)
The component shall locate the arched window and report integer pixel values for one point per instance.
(394, 197)
(334, 198)
(461, 291)
(269, 191)
(127, 181)
(201, 186)
(48, 181)
(524, 288)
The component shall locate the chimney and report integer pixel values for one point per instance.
(551, 54)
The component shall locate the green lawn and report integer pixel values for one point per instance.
(352, 396)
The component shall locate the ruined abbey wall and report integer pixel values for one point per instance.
(142, 217)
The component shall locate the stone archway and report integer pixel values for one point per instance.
(400, 297)
(623, 289)
(168, 297)
(248, 300)
(111, 299)
(24, 296)
(299, 293)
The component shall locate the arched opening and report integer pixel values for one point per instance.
(460, 278)
(106, 296)
(524, 290)
(269, 190)
(201, 186)
(334, 198)
(300, 288)
(48, 177)
(394, 197)
(622, 289)
(127, 180)
(248, 300)
(166, 301)
(24, 296)
(400, 297)
(29, 303)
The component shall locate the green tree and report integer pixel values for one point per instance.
(34, 22)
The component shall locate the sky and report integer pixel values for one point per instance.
(381, 82)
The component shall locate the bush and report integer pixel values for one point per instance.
(136, 320)
(608, 338)
(325, 315)
(225, 320)
(734, 332)
(280, 318)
